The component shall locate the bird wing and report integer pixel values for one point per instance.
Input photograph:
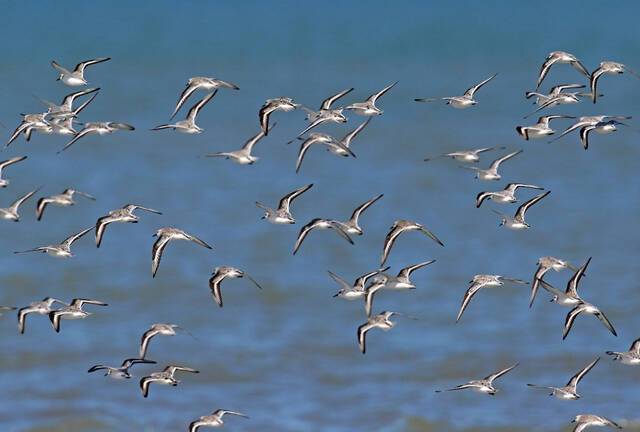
(471, 90)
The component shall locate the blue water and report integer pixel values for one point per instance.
(287, 356)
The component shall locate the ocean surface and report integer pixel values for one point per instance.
(287, 356)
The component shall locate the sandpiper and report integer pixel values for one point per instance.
(76, 77)
(570, 296)
(65, 199)
(540, 129)
(368, 107)
(631, 357)
(603, 127)
(590, 121)
(492, 173)
(29, 122)
(205, 83)
(121, 215)
(166, 377)
(326, 113)
(319, 138)
(243, 156)
(381, 321)
(358, 289)
(517, 222)
(3, 181)
(121, 372)
(346, 140)
(468, 156)
(505, 196)
(545, 264)
(11, 212)
(570, 391)
(484, 385)
(319, 223)
(584, 307)
(100, 128)
(559, 57)
(162, 329)
(73, 311)
(65, 109)
(583, 421)
(43, 307)
(607, 67)
(464, 101)
(400, 226)
(282, 214)
(62, 250)
(271, 105)
(403, 280)
(483, 281)
(226, 272)
(351, 226)
(164, 236)
(213, 420)
(188, 125)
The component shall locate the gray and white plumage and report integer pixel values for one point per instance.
(73, 311)
(483, 281)
(380, 321)
(164, 236)
(282, 214)
(100, 128)
(121, 372)
(402, 280)
(492, 173)
(65, 199)
(243, 156)
(541, 129)
(545, 264)
(609, 68)
(400, 226)
(346, 140)
(631, 357)
(588, 308)
(560, 57)
(570, 297)
(358, 288)
(272, 105)
(29, 122)
(213, 420)
(326, 113)
(603, 127)
(61, 250)
(323, 139)
(352, 226)
(570, 390)
(505, 196)
(583, 121)
(11, 213)
(162, 329)
(319, 223)
(226, 272)
(205, 83)
(76, 77)
(43, 307)
(369, 107)
(166, 377)
(466, 100)
(484, 385)
(188, 125)
(467, 156)
(584, 421)
(518, 222)
(6, 163)
(121, 215)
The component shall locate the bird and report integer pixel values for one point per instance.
(561, 99)
(282, 214)
(205, 83)
(603, 127)
(224, 272)
(76, 77)
(162, 329)
(588, 308)
(631, 357)
(65, 199)
(100, 128)
(164, 236)
(560, 57)
(5, 163)
(188, 125)
(346, 140)
(271, 105)
(166, 377)
(583, 421)
(590, 121)
(545, 264)
(319, 138)
(243, 156)
(318, 223)
(541, 129)
(61, 122)
(467, 156)
(358, 289)
(554, 91)
(368, 107)
(352, 226)
(121, 215)
(29, 122)
(62, 250)
(507, 195)
(121, 372)
(464, 101)
(491, 173)
(381, 321)
(369, 293)
(213, 420)
(72, 311)
(403, 279)
(570, 296)
(43, 307)
(65, 109)
(326, 113)
(398, 227)
(517, 222)
(607, 67)
(570, 391)
(483, 281)
(11, 212)
(484, 385)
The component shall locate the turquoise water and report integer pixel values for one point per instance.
(287, 356)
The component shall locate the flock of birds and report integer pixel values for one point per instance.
(62, 119)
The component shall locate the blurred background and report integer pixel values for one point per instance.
(287, 356)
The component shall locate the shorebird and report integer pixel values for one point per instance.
(484, 385)
(570, 297)
(319, 138)
(213, 420)
(65, 199)
(43, 307)
(166, 377)
(346, 140)
(472, 156)
(590, 121)
(368, 107)
(272, 105)
(162, 329)
(554, 91)
(188, 125)
(121, 215)
(559, 57)
(29, 123)
(607, 67)
(76, 77)
(164, 236)
(561, 99)
(11, 212)
(73, 311)
(3, 181)
(492, 173)
(631, 357)
(65, 109)
(517, 222)
(588, 308)
(61, 122)
(225, 272)
(62, 250)
(483, 281)
(545, 264)
(243, 156)
(400, 226)
(121, 372)
(351, 226)
(369, 293)
(540, 129)
(464, 101)
(100, 128)
(570, 391)
(282, 214)
(358, 289)
(204, 83)
(507, 195)
(325, 113)
(603, 127)
(583, 421)
(381, 321)
(319, 223)
(403, 280)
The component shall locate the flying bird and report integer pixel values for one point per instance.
(398, 227)
(205, 83)
(517, 222)
(164, 236)
(484, 385)
(121, 215)
(243, 156)
(76, 77)
(560, 57)
(62, 250)
(226, 272)
(464, 101)
(121, 372)
(166, 377)
(282, 214)
(213, 420)
(65, 199)
(188, 125)
(72, 311)
(319, 223)
(570, 391)
(368, 107)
